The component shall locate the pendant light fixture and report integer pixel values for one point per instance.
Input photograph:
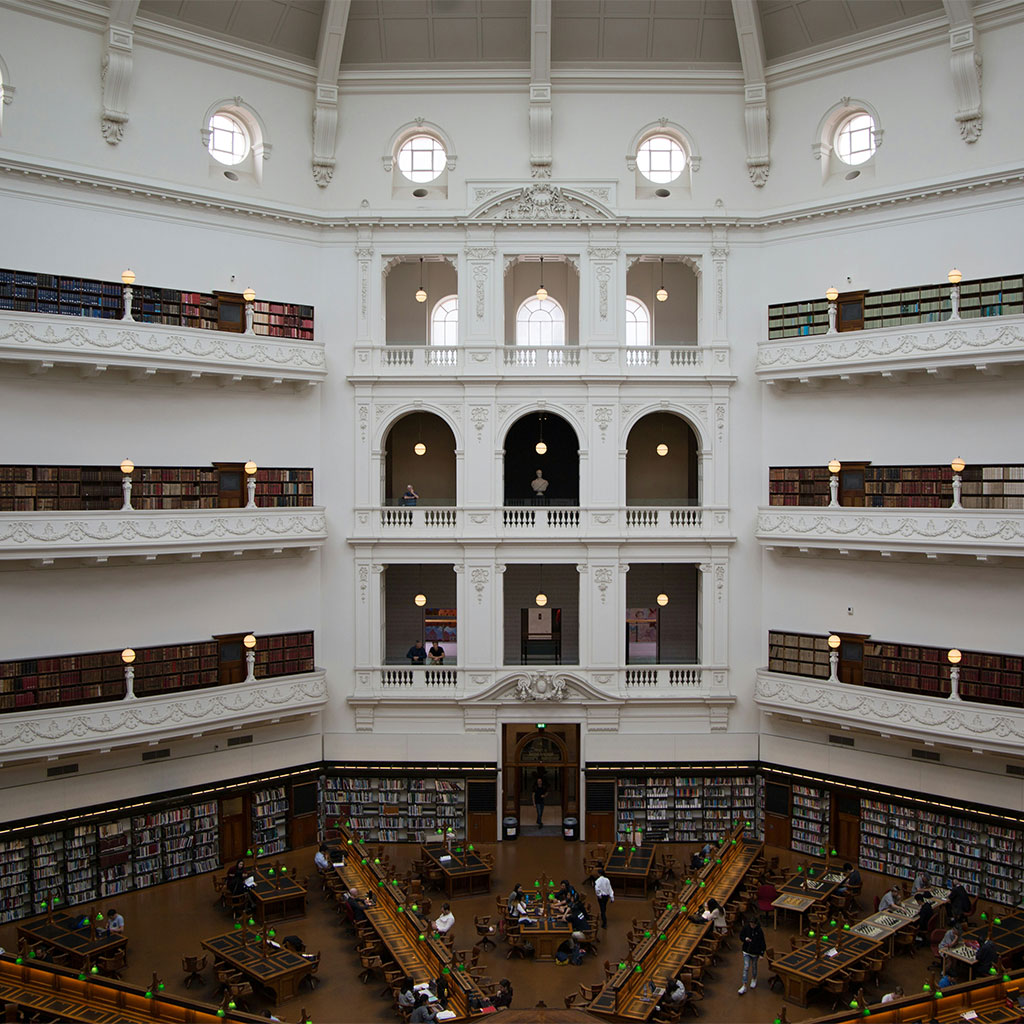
(420, 599)
(662, 597)
(419, 447)
(662, 449)
(542, 292)
(542, 598)
(661, 295)
(540, 447)
(421, 294)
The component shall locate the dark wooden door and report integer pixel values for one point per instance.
(851, 311)
(851, 659)
(851, 484)
(230, 484)
(776, 830)
(846, 826)
(231, 658)
(234, 828)
(482, 811)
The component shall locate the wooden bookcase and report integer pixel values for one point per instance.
(95, 488)
(270, 820)
(810, 819)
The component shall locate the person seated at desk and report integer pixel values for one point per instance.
(953, 937)
(445, 920)
(924, 917)
(959, 902)
(713, 912)
(578, 916)
(407, 993)
(518, 910)
(322, 860)
(357, 905)
(516, 895)
(890, 898)
(115, 923)
(896, 993)
(675, 992)
(502, 999)
(569, 952)
(853, 879)
(423, 1012)
(987, 958)
(564, 898)
(921, 882)
(236, 880)
(238, 868)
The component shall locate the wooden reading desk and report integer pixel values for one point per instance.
(628, 868)
(276, 897)
(546, 929)
(408, 937)
(1007, 934)
(275, 968)
(816, 962)
(631, 992)
(464, 872)
(884, 924)
(57, 933)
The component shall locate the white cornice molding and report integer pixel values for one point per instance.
(56, 732)
(982, 535)
(936, 720)
(981, 344)
(42, 340)
(42, 538)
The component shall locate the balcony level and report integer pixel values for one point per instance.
(133, 721)
(547, 522)
(41, 343)
(44, 539)
(915, 717)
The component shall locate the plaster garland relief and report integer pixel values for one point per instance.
(927, 525)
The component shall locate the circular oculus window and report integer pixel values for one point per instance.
(421, 158)
(229, 139)
(855, 139)
(660, 159)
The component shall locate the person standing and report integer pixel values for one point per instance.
(410, 497)
(605, 895)
(540, 791)
(753, 944)
(417, 654)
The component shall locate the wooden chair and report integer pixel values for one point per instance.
(236, 993)
(515, 940)
(220, 887)
(111, 966)
(588, 993)
(193, 966)
(769, 955)
(371, 963)
(904, 942)
(570, 1001)
(226, 977)
(485, 931)
(314, 975)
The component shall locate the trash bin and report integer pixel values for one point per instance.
(571, 829)
(510, 828)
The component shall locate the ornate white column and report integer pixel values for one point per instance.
(481, 328)
(602, 290)
(480, 630)
(368, 609)
(601, 617)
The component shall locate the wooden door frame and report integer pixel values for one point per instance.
(512, 761)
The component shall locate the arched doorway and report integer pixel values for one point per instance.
(420, 451)
(548, 751)
(662, 462)
(558, 461)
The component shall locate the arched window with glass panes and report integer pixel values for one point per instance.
(444, 322)
(540, 322)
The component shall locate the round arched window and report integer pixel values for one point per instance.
(421, 158)
(660, 159)
(855, 138)
(229, 139)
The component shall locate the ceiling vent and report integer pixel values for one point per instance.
(237, 741)
(925, 755)
(156, 755)
(841, 741)
(61, 769)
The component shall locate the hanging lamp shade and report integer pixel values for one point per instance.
(421, 294)
(542, 292)
(661, 294)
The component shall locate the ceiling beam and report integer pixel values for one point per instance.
(540, 88)
(116, 69)
(755, 93)
(965, 63)
(333, 25)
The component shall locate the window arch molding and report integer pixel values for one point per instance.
(419, 126)
(674, 131)
(691, 417)
(259, 138)
(428, 407)
(6, 89)
(823, 144)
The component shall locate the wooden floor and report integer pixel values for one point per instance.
(167, 921)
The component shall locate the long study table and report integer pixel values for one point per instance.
(630, 994)
(1007, 932)
(817, 962)
(59, 934)
(628, 868)
(270, 965)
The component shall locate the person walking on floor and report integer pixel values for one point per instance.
(605, 894)
(540, 791)
(753, 944)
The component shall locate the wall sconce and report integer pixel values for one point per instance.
(662, 450)
(954, 657)
(249, 643)
(127, 468)
(661, 294)
(957, 465)
(542, 292)
(250, 299)
(127, 279)
(250, 484)
(833, 483)
(421, 294)
(954, 277)
(128, 658)
(832, 294)
(834, 643)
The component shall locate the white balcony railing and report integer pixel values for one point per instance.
(55, 732)
(42, 341)
(424, 361)
(537, 522)
(980, 534)
(98, 537)
(983, 728)
(938, 349)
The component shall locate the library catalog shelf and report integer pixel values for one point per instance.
(56, 732)
(42, 341)
(981, 535)
(915, 718)
(690, 362)
(537, 522)
(936, 350)
(43, 538)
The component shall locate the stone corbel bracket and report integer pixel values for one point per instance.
(116, 76)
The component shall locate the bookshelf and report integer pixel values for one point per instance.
(80, 862)
(15, 892)
(798, 654)
(154, 488)
(30, 292)
(395, 809)
(114, 856)
(48, 867)
(270, 820)
(809, 819)
(70, 679)
(681, 808)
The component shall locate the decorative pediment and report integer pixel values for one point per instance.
(542, 686)
(541, 202)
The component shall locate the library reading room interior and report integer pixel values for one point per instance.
(511, 506)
